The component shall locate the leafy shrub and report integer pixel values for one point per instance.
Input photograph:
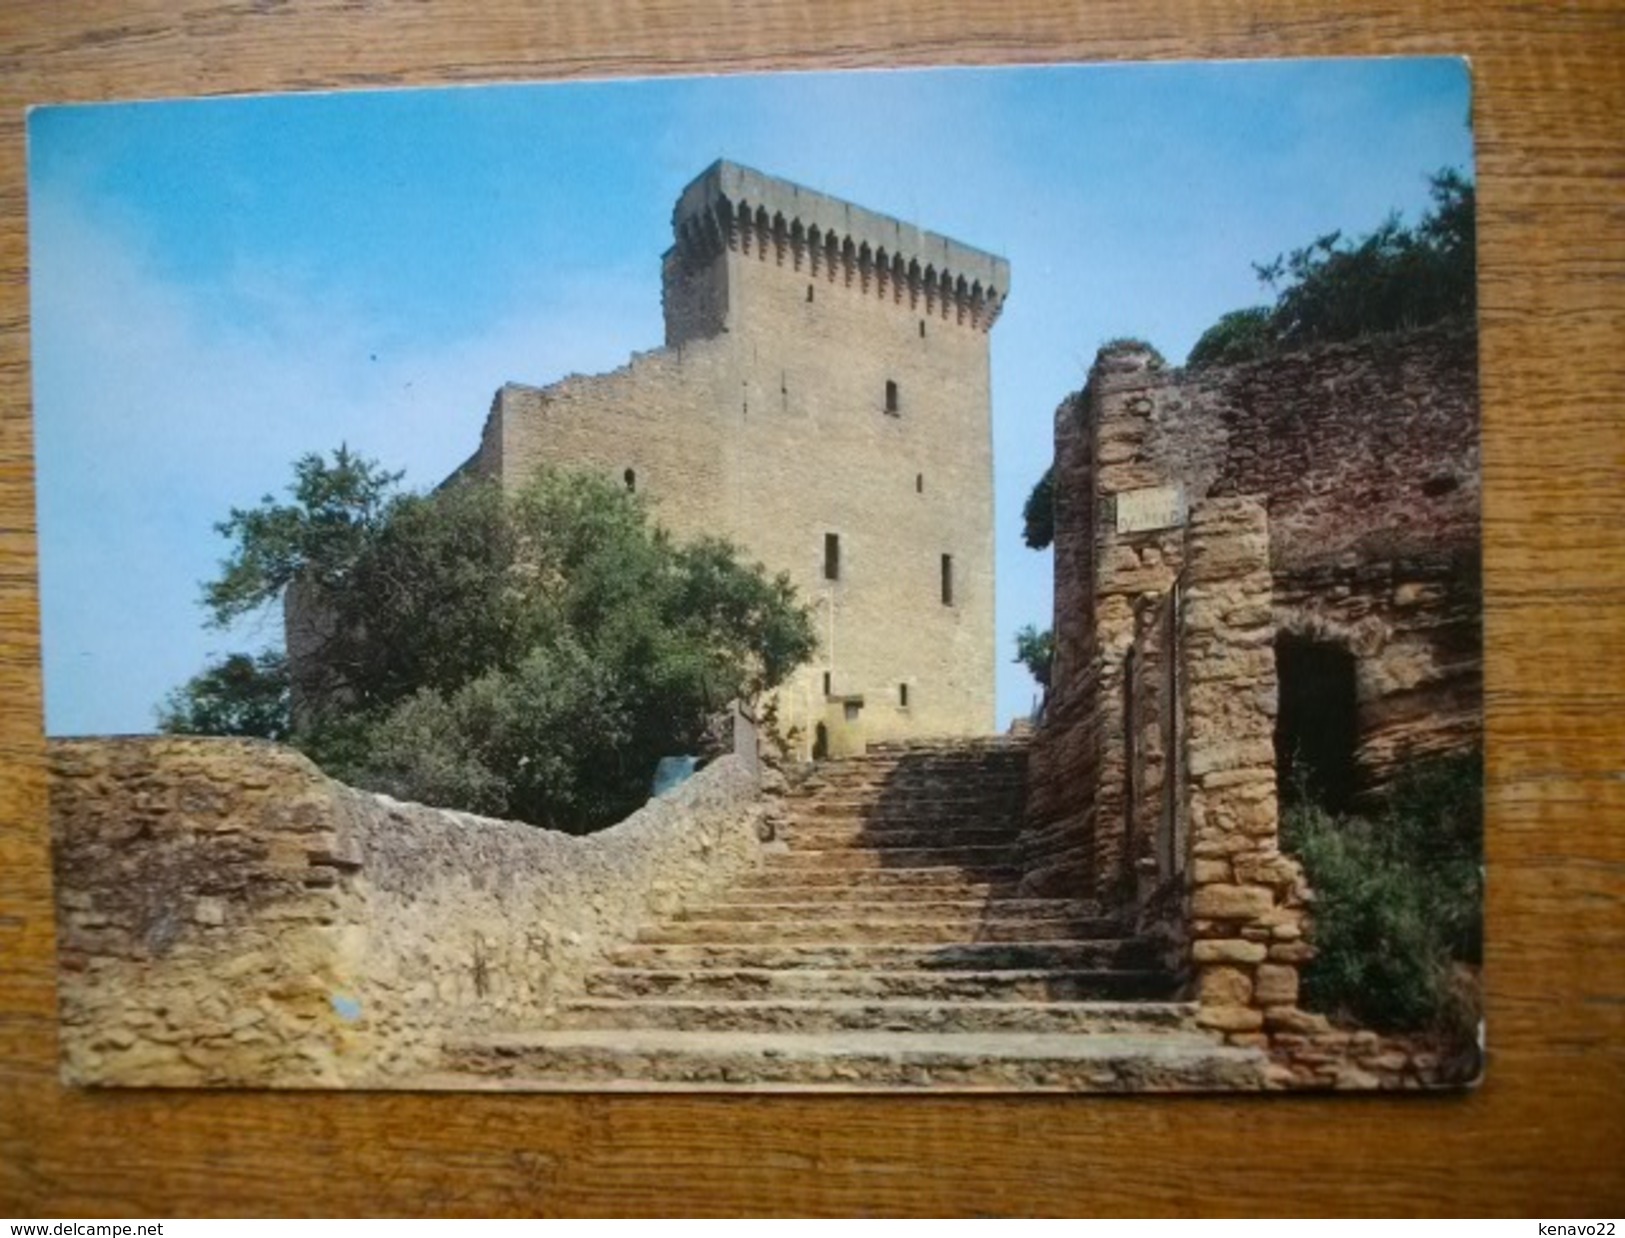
(1240, 335)
(1394, 278)
(1036, 651)
(1398, 900)
(240, 695)
(1038, 515)
(1130, 343)
(528, 655)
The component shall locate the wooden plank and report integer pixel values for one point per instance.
(1546, 1134)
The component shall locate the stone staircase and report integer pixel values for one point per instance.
(883, 944)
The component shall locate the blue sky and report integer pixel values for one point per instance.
(221, 285)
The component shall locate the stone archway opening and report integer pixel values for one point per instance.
(1316, 726)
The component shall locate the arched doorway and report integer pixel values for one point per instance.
(1316, 727)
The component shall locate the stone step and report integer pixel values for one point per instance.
(1102, 953)
(921, 757)
(784, 927)
(889, 752)
(902, 820)
(904, 815)
(992, 809)
(895, 885)
(718, 983)
(895, 790)
(965, 911)
(871, 880)
(851, 859)
(968, 769)
(954, 743)
(968, 765)
(657, 1058)
(824, 834)
(790, 1015)
(883, 800)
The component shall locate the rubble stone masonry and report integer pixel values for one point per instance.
(1248, 905)
(1365, 456)
(229, 915)
(1246, 899)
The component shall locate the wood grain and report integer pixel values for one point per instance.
(1545, 1134)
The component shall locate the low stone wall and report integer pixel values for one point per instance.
(229, 915)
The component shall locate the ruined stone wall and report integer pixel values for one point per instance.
(1369, 456)
(1366, 457)
(1368, 447)
(1110, 440)
(661, 416)
(229, 915)
(1249, 909)
(768, 419)
(1333, 496)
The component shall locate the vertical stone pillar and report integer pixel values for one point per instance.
(1134, 563)
(1246, 899)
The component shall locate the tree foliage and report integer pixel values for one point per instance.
(1038, 516)
(528, 655)
(240, 695)
(1394, 278)
(1240, 335)
(1398, 912)
(335, 510)
(1036, 651)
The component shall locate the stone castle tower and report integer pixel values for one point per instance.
(822, 400)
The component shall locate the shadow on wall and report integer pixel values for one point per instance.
(1316, 728)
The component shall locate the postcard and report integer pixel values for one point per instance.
(955, 580)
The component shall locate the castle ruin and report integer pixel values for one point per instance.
(822, 400)
(1262, 571)
(1364, 457)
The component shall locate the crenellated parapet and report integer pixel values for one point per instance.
(733, 209)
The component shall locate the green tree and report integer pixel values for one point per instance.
(1036, 651)
(1393, 278)
(241, 695)
(335, 511)
(1240, 335)
(1038, 516)
(528, 655)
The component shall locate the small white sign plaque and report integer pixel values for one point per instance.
(1155, 507)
